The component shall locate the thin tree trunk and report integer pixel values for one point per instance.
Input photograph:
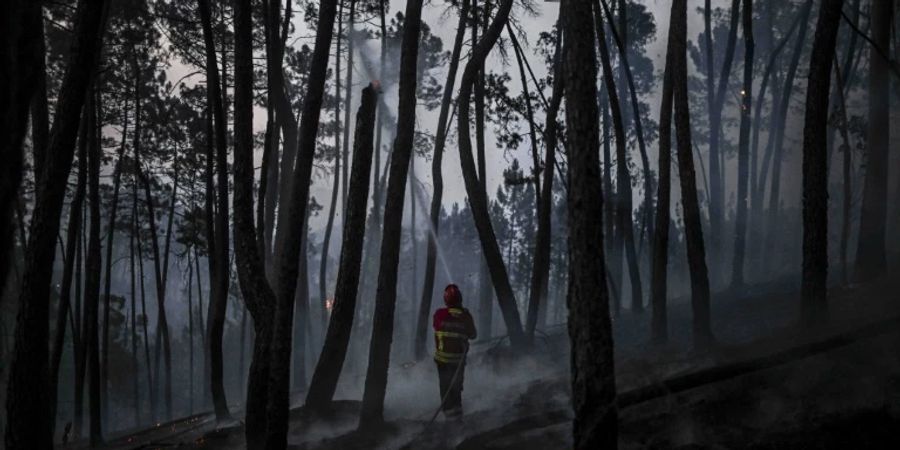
(477, 196)
(438, 182)
(219, 297)
(113, 213)
(702, 332)
(780, 116)
(28, 405)
(348, 96)
(647, 222)
(73, 232)
(133, 337)
(486, 309)
(590, 329)
(716, 169)
(190, 291)
(847, 191)
(371, 414)
(151, 390)
(814, 290)
(540, 269)
(613, 244)
(331, 360)
(659, 327)
(92, 276)
(871, 259)
(623, 178)
(740, 233)
(288, 249)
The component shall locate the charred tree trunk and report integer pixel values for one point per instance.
(133, 337)
(371, 415)
(716, 170)
(590, 329)
(21, 48)
(623, 178)
(845, 172)
(438, 181)
(540, 269)
(659, 326)
(815, 165)
(871, 259)
(27, 403)
(219, 282)
(331, 360)
(702, 332)
(780, 118)
(348, 96)
(477, 196)
(288, 249)
(73, 232)
(486, 310)
(92, 277)
(740, 233)
(255, 290)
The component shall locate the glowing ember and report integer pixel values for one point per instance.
(329, 303)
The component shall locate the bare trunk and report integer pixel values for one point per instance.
(92, 277)
(331, 360)
(815, 165)
(590, 329)
(28, 404)
(871, 259)
(477, 197)
(371, 414)
(740, 233)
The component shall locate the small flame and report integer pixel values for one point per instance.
(329, 303)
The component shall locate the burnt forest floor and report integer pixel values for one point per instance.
(841, 392)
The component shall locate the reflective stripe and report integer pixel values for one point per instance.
(446, 357)
(450, 334)
(455, 311)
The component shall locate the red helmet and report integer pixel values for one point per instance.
(452, 296)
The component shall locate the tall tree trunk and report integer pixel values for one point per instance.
(814, 286)
(219, 282)
(255, 290)
(301, 313)
(871, 259)
(647, 222)
(590, 329)
(21, 47)
(133, 338)
(740, 233)
(336, 183)
(28, 404)
(623, 178)
(371, 414)
(486, 310)
(113, 214)
(613, 244)
(92, 276)
(288, 249)
(151, 388)
(477, 196)
(331, 360)
(696, 251)
(659, 327)
(716, 169)
(540, 269)
(438, 182)
(845, 172)
(190, 298)
(348, 96)
(780, 117)
(73, 233)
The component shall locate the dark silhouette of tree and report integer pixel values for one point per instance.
(218, 260)
(659, 327)
(590, 329)
(28, 404)
(474, 190)
(21, 51)
(702, 331)
(871, 260)
(740, 233)
(92, 267)
(288, 248)
(331, 360)
(624, 218)
(372, 411)
(815, 165)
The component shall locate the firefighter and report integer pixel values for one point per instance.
(453, 329)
